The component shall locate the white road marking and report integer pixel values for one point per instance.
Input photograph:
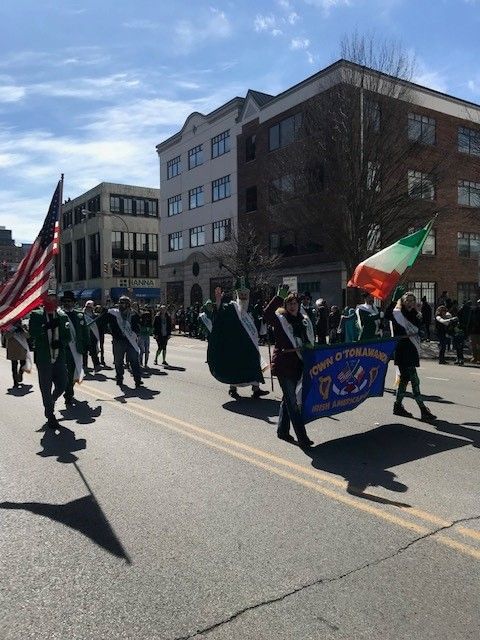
(444, 379)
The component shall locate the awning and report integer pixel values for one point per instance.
(138, 292)
(91, 294)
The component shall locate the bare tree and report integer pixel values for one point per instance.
(355, 179)
(245, 255)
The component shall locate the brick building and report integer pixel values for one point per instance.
(261, 128)
(445, 126)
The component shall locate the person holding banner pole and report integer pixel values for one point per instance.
(406, 323)
(293, 331)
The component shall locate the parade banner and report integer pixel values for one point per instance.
(340, 377)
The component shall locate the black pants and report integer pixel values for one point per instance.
(92, 352)
(15, 371)
(52, 374)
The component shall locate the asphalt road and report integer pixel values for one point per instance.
(173, 512)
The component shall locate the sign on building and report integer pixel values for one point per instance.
(292, 282)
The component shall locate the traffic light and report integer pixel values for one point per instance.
(105, 267)
(117, 265)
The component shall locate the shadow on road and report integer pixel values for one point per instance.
(364, 459)
(23, 390)
(83, 515)
(260, 409)
(170, 367)
(81, 412)
(409, 394)
(62, 445)
(142, 393)
(462, 430)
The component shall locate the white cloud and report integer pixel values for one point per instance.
(299, 43)
(328, 5)
(433, 79)
(11, 93)
(311, 58)
(474, 86)
(264, 23)
(293, 17)
(285, 4)
(189, 34)
(87, 88)
(141, 24)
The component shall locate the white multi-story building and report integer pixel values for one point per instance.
(198, 202)
(109, 243)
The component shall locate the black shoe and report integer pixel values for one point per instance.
(52, 423)
(427, 415)
(305, 444)
(119, 381)
(399, 410)
(442, 362)
(233, 393)
(258, 393)
(287, 437)
(139, 383)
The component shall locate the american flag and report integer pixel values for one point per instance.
(26, 288)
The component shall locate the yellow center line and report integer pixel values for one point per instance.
(224, 444)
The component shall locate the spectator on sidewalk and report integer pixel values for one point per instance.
(442, 324)
(426, 311)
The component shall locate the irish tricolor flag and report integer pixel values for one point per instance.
(380, 273)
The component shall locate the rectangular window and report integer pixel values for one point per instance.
(468, 245)
(195, 157)
(222, 230)
(78, 213)
(421, 128)
(371, 114)
(153, 268)
(430, 245)
(152, 243)
(81, 264)
(175, 241)
(68, 262)
(197, 236)
(467, 291)
(117, 240)
(285, 132)
(427, 289)
(174, 167)
(67, 219)
(93, 206)
(281, 189)
(251, 199)
(420, 185)
(221, 188)
(469, 141)
(221, 144)
(373, 176)
(175, 205)
(115, 204)
(196, 198)
(469, 193)
(140, 207)
(94, 251)
(127, 206)
(141, 242)
(250, 148)
(283, 243)
(151, 208)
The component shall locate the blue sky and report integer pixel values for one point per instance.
(89, 87)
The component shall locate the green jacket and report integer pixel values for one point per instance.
(38, 334)
(82, 332)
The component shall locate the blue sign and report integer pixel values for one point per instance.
(340, 377)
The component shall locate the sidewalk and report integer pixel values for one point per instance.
(429, 351)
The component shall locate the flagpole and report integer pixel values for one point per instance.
(57, 262)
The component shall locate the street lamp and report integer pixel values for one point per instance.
(85, 212)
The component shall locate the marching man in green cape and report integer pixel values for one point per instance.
(233, 355)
